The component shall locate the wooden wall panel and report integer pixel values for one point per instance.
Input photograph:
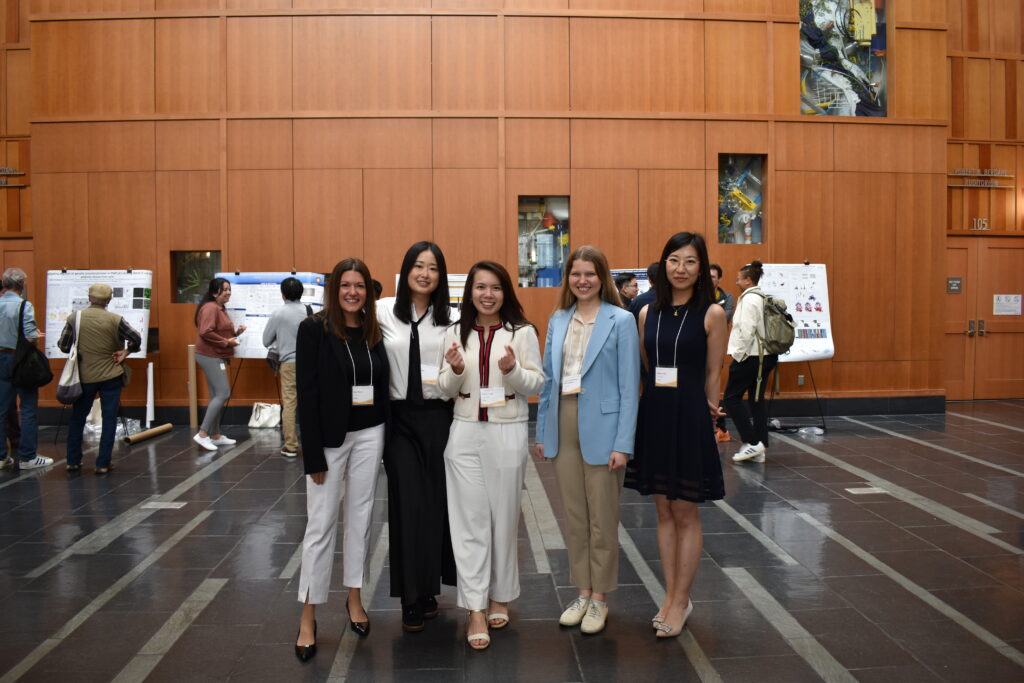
(920, 74)
(92, 67)
(465, 143)
(119, 146)
(187, 145)
(465, 59)
(536, 63)
(978, 99)
(187, 211)
(733, 48)
(735, 137)
(19, 91)
(362, 63)
(1007, 26)
(804, 146)
(537, 143)
(920, 249)
(328, 218)
(397, 211)
(928, 145)
(122, 220)
(189, 66)
(362, 143)
(178, 5)
(997, 120)
(800, 214)
(626, 143)
(932, 11)
(864, 147)
(1003, 202)
(865, 238)
(60, 220)
(639, 5)
(260, 143)
(467, 197)
(361, 4)
(536, 4)
(260, 231)
(669, 201)
(955, 19)
(604, 211)
(636, 65)
(785, 86)
(66, 6)
(977, 26)
(259, 68)
(466, 4)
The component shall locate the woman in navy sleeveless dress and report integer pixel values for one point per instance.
(683, 337)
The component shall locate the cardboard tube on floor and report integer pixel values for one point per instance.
(148, 434)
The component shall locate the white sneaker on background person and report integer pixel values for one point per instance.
(575, 612)
(35, 462)
(749, 451)
(204, 441)
(223, 441)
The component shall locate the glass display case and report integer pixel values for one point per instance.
(543, 240)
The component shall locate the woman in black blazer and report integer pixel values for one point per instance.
(342, 381)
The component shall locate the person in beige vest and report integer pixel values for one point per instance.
(101, 337)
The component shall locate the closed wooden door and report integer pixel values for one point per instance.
(984, 346)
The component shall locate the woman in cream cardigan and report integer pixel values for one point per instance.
(491, 366)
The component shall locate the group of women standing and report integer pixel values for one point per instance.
(454, 396)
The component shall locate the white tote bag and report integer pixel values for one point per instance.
(265, 415)
(69, 388)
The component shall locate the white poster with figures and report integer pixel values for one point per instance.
(68, 291)
(255, 296)
(804, 288)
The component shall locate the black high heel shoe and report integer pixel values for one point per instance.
(306, 652)
(360, 628)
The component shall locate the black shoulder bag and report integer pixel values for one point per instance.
(31, 369)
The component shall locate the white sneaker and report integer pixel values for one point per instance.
(575, 612)
(204, 441)
(7, 463)
(223, 441)
(289, 454)
(38, 461)
(597, 615)
(748, 451)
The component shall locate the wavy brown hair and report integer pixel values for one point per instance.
(609, 292)
(333, 316)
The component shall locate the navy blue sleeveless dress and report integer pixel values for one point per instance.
(676, 454)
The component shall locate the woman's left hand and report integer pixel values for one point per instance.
(716, 410)
(618, 460)
(318, 477)
(507, 362)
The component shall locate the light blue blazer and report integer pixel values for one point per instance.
(610, 388)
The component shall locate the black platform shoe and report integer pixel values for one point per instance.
(412, 617)
(306, 652)
(429, 607)
(360, 628)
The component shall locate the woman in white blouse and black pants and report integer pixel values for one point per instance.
(413, 324)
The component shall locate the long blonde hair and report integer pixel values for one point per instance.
(609, 293)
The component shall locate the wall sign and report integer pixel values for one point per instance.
(954, 285)
(1006, 304)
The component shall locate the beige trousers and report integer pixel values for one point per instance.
(289, 402)
(590, 494)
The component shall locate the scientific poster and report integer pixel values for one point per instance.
(67, 291)
(255, 296)
(642, 283)
(804, 288)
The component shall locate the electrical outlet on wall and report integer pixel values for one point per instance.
(799, 380)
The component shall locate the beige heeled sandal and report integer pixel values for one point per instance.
(470, 637)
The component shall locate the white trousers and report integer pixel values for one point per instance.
(484, 463)
(352, 470)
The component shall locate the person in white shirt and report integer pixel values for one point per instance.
(413, 324)
(491, 367)
(749, 370)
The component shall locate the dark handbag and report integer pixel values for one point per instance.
(31, 368)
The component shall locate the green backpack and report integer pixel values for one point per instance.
(779, 333)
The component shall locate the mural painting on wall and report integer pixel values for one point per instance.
(842, 58)
(740, 192)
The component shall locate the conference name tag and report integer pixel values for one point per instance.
(571, 384)
(362, 395)
(428, 373)
(492, 397)
(665, 377)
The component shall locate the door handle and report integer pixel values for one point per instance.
(970, 328)
(981, 328)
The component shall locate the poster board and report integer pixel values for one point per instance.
(255, 297)
(67, 291)
(804, 288)
(642, 284)
(456, 286)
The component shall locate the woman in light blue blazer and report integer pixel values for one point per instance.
(586, 423)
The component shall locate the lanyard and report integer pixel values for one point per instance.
(355, 381)
(657, 340)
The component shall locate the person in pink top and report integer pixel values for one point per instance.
(215, 345)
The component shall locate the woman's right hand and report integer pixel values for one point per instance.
(538, 451)
(454, 358)
(318, 477)
(234, 341)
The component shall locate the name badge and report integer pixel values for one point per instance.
(492, 397)
(428, 374)
(665, 377)
(223, 368)
(571, 384)
(362, 395)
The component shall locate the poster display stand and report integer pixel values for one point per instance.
(255, 297)
(67, 291)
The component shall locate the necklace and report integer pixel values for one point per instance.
(675, 309)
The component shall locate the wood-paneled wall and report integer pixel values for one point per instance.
(327, 128)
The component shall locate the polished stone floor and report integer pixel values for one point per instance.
(889, 549)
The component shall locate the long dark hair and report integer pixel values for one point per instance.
(212, 291)
(511, 311)
(703, 292)
(439, 298)
(333, 316)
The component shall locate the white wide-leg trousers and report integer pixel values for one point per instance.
(351, 468)
(484, 463)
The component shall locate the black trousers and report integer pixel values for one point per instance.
(750, 416)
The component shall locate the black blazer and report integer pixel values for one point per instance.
(325, 390)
